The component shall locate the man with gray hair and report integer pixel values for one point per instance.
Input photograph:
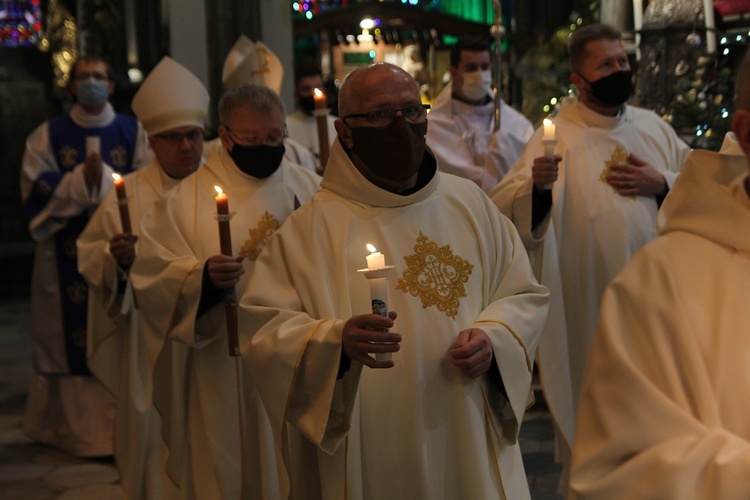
(664, 404)
(182, 279)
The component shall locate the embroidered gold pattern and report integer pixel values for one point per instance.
(258, 236)
(119, 157)
(435, 275)
(68, 157)
(619, 157)
(77, 293)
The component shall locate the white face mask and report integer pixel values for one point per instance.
(477, 84)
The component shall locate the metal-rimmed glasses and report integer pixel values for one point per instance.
(273, 139)
(383, 117)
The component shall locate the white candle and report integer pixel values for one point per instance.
(708, 7)
(549, 130)
(375, 260)
(93, 145)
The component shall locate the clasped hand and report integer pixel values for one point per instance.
(636, 178)
(362, 336)
(122, 248)
(472, 352)
(225, 270)
(544, 170)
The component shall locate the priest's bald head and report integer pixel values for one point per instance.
(383, 125)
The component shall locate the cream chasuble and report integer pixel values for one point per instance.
(120, 353)
(196, 391)
(664, 403)
(590, 233)
(420, 430)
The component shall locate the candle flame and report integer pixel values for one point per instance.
(218, 190)
(116, 176)
(547, 122)
(371, 248)
(318, 93)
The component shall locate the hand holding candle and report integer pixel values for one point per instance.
(377, 277)
(321, 120)
(225, 241)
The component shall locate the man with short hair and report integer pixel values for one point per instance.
(303, 125)
(172, 105)
(255, 62)
(461, 133)
(61, 184)
(181, 281)
(663, 411)
(441, 419)
(585, 211)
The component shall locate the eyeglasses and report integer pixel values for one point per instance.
(384, 117)
(175, 138)
(273, 139)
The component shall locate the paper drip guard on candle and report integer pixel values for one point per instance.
(223, 216)
(377, 279)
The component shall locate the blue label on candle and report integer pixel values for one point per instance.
(379, 307)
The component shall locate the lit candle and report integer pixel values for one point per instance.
(225, 242)
(375, 260)
(549, 130)
(320, 99)
(222, 208)
(321, 120)
(549, 141)
(122, 202)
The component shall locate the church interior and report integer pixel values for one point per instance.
(684, 55)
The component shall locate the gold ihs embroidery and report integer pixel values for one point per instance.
(68, 157)
(258, 236)
(436, 276)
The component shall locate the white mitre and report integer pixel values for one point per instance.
(252, 62)
(170, 97)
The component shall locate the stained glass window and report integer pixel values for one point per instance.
(20, 23)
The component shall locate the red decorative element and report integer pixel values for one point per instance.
(731, 7)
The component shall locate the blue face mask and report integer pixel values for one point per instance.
(92, 93)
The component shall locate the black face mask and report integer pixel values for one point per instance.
(394, 152)
(307, 104)
(613, 89)
(258, 161)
